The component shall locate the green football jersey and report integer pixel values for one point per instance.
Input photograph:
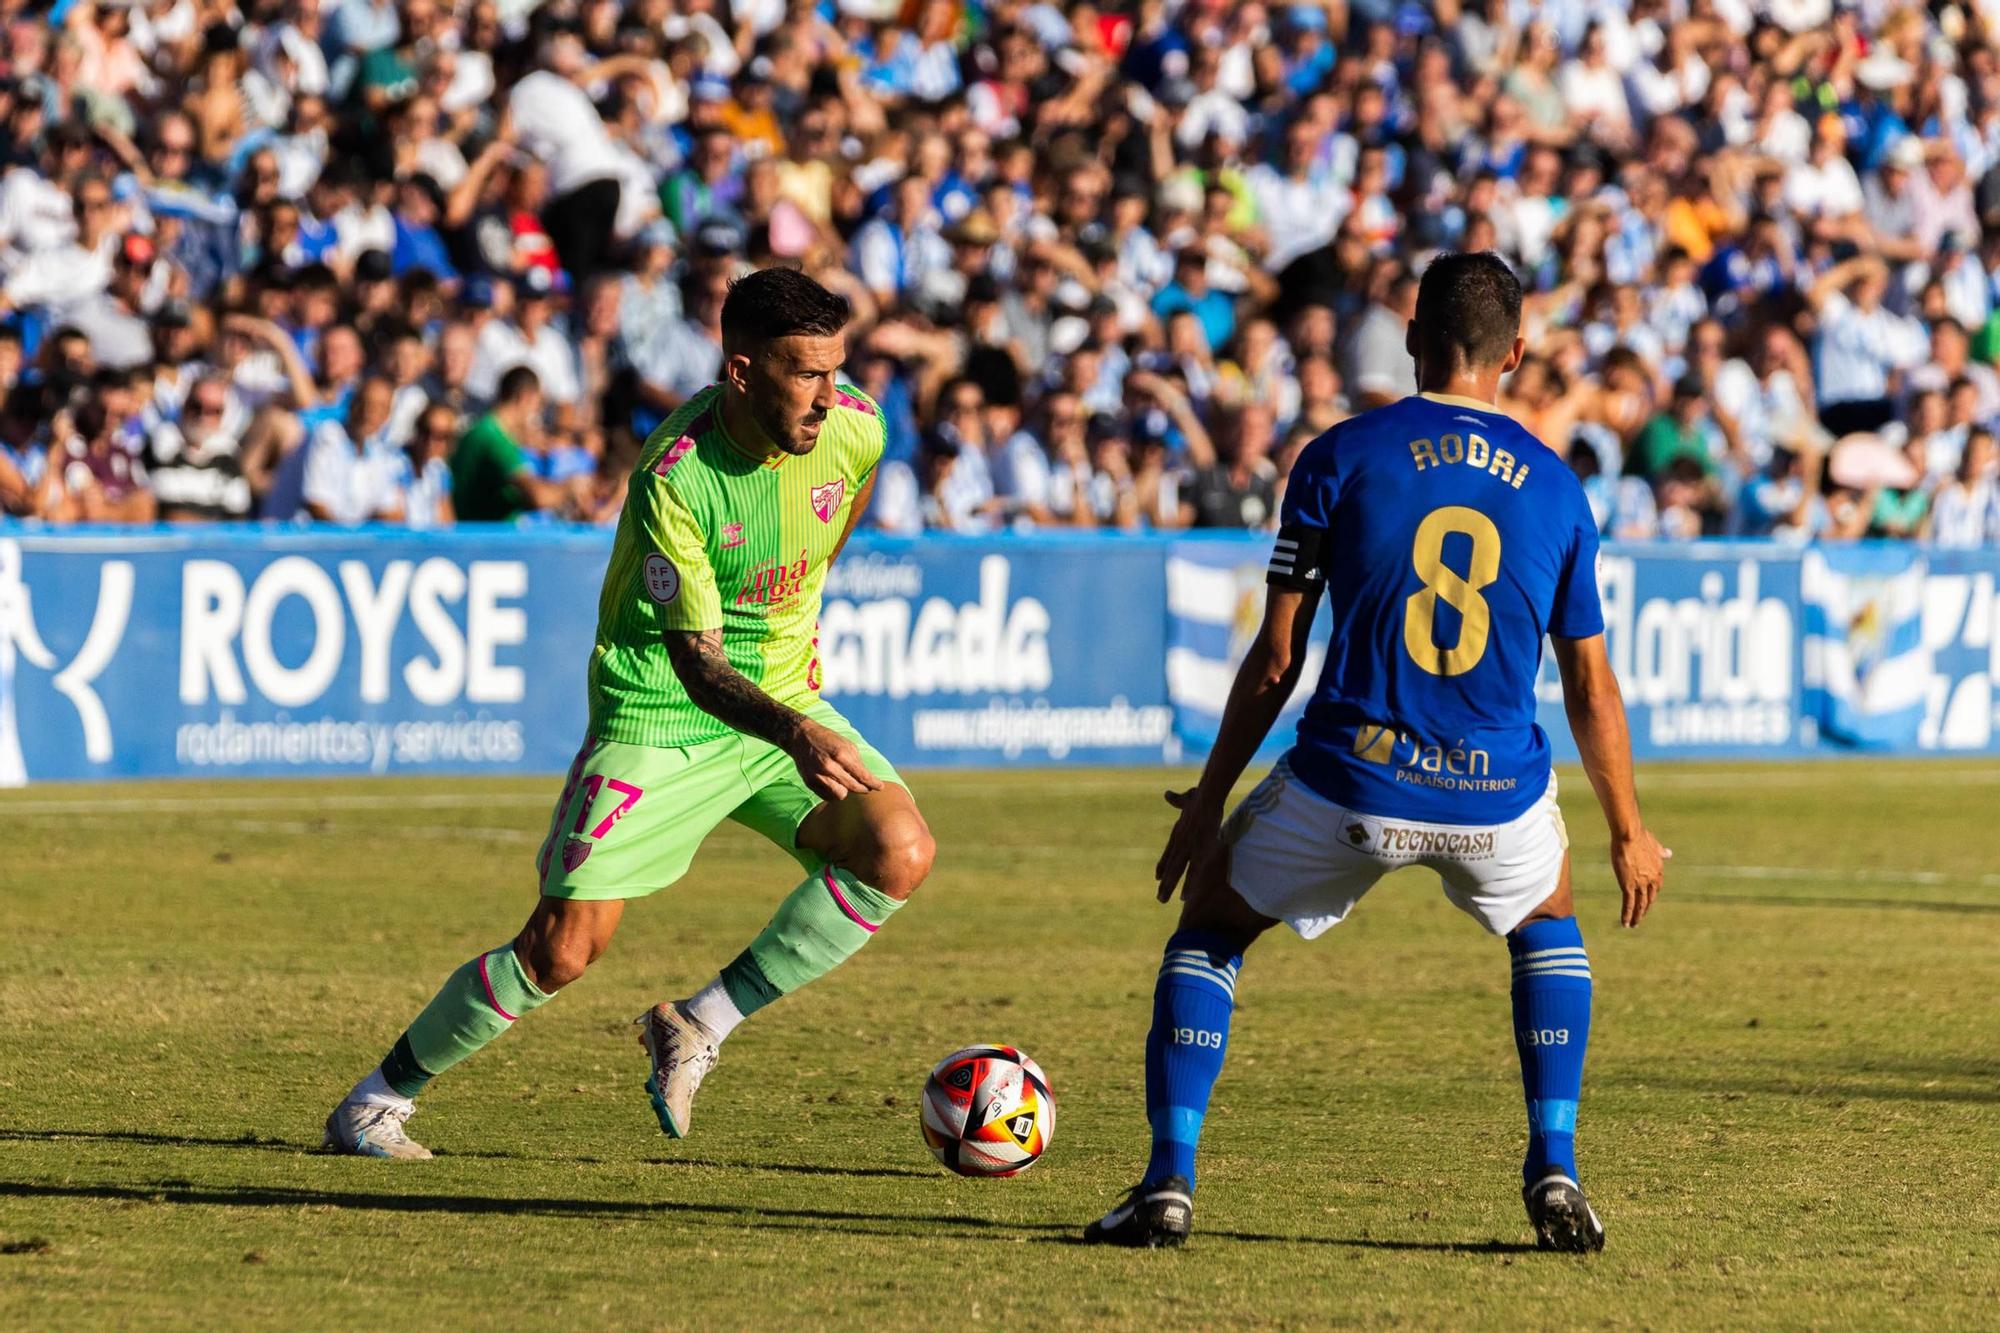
(709, 539)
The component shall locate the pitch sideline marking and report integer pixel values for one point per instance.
(301, 801)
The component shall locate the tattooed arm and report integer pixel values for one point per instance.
(827, 761)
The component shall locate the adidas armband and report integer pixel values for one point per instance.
(1295, 559)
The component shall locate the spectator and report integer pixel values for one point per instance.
(1950, 361)
(1379, 369)
(404, 361)
(1067, 484)
(70, 263)
(195, 461)
(688, 358)
(897, 251)
(100, 481)
(420, 206)
(27, 481)
(1769, 394)
(1785, 501)
(1861, 344)
(1685, 431)
(493, 479)
(1112, 489)
(425, 476)
(555, 121)
(707, 186)
(1029, 206)
(1966, 511)
(1299, 205)
(965, 499)
(1901, 510)
(1320, 405)
(1233, 483)
(448, 381)
(898, 507)
(352, 472)
(1214, 311)
(530, 337)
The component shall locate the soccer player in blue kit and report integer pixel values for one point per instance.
(1448, 542)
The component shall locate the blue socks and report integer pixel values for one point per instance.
(1191, 1005)
(1551, 1028)
(1196, 993)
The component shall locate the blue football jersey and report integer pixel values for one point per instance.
(1449, 541)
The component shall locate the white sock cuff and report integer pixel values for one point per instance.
(713, 1009)
(375, 1091)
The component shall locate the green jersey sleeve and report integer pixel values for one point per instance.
(675, 569)
(872, 442)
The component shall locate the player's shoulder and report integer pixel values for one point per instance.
(1354, 440)
(1321, 455)
(858, 426)
(852, 400)
(671, 451)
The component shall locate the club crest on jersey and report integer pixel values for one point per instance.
(826, 499)
(732, 535)
(574, 852)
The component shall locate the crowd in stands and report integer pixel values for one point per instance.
(1113, 264)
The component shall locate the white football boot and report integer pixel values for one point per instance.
(373, 1129)
(682, 1052)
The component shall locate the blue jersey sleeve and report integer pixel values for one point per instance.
(1304, 519)
(1577, 613)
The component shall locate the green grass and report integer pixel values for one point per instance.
(1791, 1116)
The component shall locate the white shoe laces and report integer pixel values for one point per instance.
(391, 1118)
(703, 1060)
(687, 1048)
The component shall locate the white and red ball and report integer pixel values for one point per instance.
(988, 1111)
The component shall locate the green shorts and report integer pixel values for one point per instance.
(631, 816)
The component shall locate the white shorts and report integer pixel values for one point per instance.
(1297, 856)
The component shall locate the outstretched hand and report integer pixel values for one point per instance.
(1195, 840)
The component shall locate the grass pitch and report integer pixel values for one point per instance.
(1791, 1115)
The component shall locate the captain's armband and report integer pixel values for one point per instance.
(1295, 559)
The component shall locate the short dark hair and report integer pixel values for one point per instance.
(517, 384)
(780, 303)
(1468, 310)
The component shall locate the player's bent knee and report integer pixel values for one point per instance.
(898, 858)
(553, 961)
(557, 946)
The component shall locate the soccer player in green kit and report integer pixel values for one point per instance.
(704, 706)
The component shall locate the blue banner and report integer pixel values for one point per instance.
(1011, 651)
(1215, 602)
(259, 652)
(1705, 640)
(251, 653)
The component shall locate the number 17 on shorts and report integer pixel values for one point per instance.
(590, 807)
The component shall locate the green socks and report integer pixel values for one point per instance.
(821, 925)
(477, 1003)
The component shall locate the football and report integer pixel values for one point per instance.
(988, 1111)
